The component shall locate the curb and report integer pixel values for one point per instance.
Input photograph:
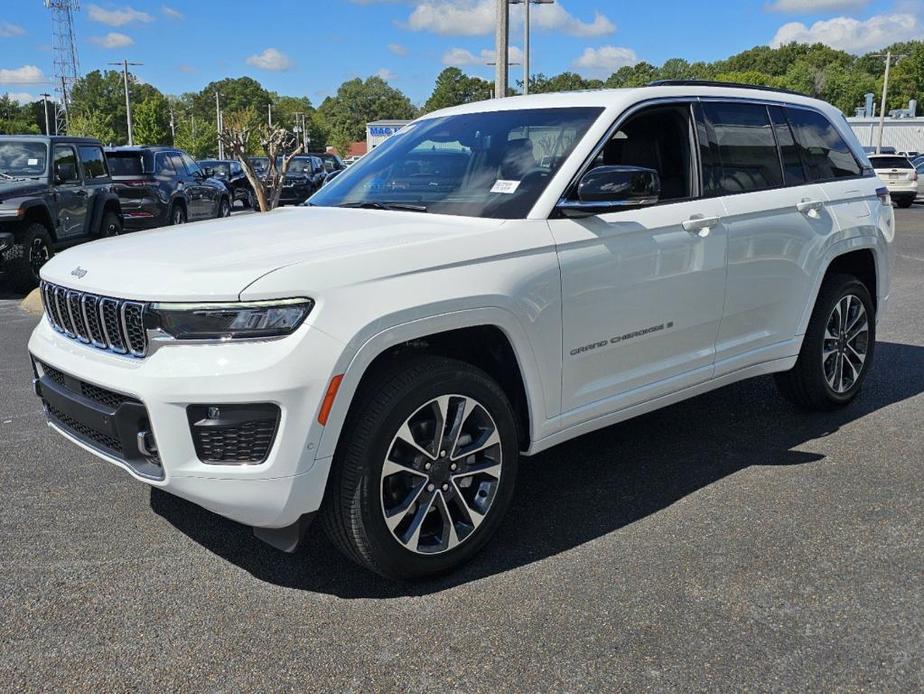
(32, 303)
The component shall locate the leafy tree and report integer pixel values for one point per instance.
(151, 121)
(453, 87)
(197, 138)
(358, 103)
(565, 82)
(236, 94)
(19, 120)
(91, 124)
(637, 75)
(104, 93)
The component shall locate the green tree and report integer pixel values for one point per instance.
(197, 138)
(453, 87)
(19, 120)
(91, 124)
(235, 94)
(358, 102)
(104, 92)
(637, 75)
(151, 121)
(565, 82)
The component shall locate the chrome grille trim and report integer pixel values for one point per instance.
(83, 317)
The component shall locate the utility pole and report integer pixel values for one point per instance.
(885, 94)
(45, 96)
(269, 115)
(501, 44)
(221, 147)
(526, 4)
(172, 127)
(128, 101)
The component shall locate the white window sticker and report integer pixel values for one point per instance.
(33, 162)
(506, 187)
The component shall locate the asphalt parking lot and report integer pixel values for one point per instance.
(727, 543)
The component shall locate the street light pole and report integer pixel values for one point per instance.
(221, 147)
(128, 101)
(45, 109)
(526, 4)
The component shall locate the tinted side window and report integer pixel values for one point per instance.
(236, 169)
(793, 171)
(94, 163)
(163, 166)
(177, 163)
(192, 168)
(65, 164)
(825, 154)
(747, 156)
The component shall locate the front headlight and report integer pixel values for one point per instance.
(208, 321)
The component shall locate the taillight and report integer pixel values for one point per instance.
(883, 194)
(914, 175)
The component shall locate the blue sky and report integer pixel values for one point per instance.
(308, 47)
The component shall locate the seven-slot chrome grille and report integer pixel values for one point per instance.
(106, 323)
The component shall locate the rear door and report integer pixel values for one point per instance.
(774, 217)
(70, 193)
(203, 197)
(96, 181)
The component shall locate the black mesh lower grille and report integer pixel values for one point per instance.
(84, 431)
(248, 443)
(103, 396)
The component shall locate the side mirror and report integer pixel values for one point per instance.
(611, 188)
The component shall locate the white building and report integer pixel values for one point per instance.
(379, 131)
(904, 134)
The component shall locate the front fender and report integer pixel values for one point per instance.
(356, 360)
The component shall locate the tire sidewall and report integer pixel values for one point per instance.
(389, 554)
(177, 215)
(815, 336)
(110, 219)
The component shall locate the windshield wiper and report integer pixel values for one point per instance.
(372, 205)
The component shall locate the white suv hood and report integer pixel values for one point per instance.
(216, 260)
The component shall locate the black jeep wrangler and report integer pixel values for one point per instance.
(55, 192)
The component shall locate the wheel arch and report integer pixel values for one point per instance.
(490, 339)
(38, 212)
(859, 257)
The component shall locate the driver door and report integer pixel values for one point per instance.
(70, 193)
(642, 289)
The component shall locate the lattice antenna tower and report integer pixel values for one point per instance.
(64, 46)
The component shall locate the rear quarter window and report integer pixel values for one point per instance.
(824, 152)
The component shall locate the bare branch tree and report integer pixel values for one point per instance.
(240, 128)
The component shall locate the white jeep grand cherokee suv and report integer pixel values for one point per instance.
(494, 280)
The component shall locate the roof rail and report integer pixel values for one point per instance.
(716, 83)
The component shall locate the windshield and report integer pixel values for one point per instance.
(890, 163)
(219, 169)
(125, 163)
(494, 164)
(23, 158)
(299, 165)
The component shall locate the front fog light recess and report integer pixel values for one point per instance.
(241, 320)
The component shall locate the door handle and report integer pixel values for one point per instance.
(807, 206)
(700, 225)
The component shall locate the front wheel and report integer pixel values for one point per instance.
(111, 225)
(837, 351)
(424, 471)
(27, 256)
(224, 208)
(177, 215)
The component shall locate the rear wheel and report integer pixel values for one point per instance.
(905, 203)
(424, 471)
(177, 214)
(27, 256)
(837, 351)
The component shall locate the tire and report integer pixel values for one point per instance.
(361, 490)
(177, 214)
(809, 383)
(24, 260)
(904, 203)
(110, 225)
(249, 201)
(224, 208)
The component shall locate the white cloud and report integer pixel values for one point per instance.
(118, 17)
(171, 13)
(185, 68)
(459, 57)
(477, 17)
(397, 49)
(271, 59)
(27, 74)
(604, 61)
(113, 40)
(386, 74)
(814, 5)
(21, 97)
(8, 30)
(852, 35)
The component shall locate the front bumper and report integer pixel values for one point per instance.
(291, 373)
